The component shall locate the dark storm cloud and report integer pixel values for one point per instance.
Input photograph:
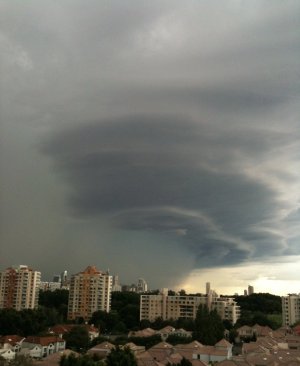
(171, 175)
(195, 139)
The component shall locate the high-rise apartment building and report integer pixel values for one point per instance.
(290, 309)
(178, 306)
(90, 291)
(19, 288)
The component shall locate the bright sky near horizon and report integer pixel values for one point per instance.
(159, 139)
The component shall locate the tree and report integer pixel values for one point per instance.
(209, 328)
(263, 302)
(81, 360)
(77, 339)
(121, 357)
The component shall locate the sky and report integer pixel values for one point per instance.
(156, 139)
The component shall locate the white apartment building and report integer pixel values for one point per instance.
(19, 288)
(177, 306)
(290, 309)
(90, 291)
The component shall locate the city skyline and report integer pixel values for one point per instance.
(156, 139)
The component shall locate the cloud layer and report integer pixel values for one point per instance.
(149, 123)
(185, 178)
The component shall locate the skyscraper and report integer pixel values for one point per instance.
(90, 291)
(250, 290)
(19, 288)
(142, 285)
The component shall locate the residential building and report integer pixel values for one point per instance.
(19, 288)
(178, 306)
(90, 291)
(290, 309)
(39, 347)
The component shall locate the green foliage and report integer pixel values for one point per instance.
(263, 309)
(82, 360)
(77, 339)
(57, 300)
(27, 322)
(209, 327)
(252, 318)
(106, 322)
(127, 306)
(176, 339)
(262, 302)
(147, 342)
(121, 357)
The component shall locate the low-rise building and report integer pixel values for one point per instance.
(185, 306)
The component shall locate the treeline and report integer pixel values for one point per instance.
(263, 302)
(262, 308)
(28, 322)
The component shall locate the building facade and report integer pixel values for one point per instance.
(90, 291)
(290, 309)
(177, 306)
(19, 288)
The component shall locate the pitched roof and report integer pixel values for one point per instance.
(223, 343)
(11, 339)
(43, 341)
(162, 345)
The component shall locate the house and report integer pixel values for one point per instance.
(39, 347)
(54, 359)
(221, 351)
(62, 329)
(245, 332)
(12, 342)
(147, 332)
(187, 350)
(101, 349)
(161, 351)
(7, 354)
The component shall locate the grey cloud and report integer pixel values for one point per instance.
(195, 134)
(151, 173)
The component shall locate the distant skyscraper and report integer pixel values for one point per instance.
(116, 287)
(207, 287)
(57, 278)
(245, 292)
(90, 291)
(19, 288)
(250, 290)
(64, 279)
(142, 285)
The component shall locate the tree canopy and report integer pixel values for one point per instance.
(121, 357)
(209, 328)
